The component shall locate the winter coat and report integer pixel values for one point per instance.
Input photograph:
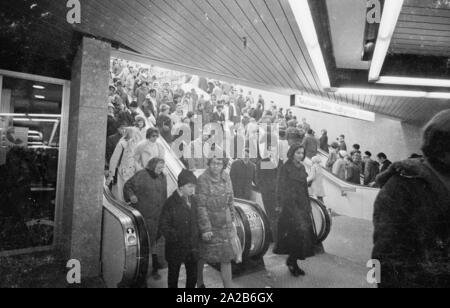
(324, 144)
(151, 192)
(385, 166)
(353, 174)
(295, 230)
(412, 227)
(316, 179)
(339, 168)
(112, 126)
(242, 177)
(311, 145)
(371, 170)
(332, 158)
(179, 226)
(164, 124)
(216, 214)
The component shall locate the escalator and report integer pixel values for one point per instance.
(126, 247)
(347, 199)
(125, 244)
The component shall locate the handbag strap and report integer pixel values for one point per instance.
(121, 157)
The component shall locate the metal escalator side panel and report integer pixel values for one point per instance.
(119, 255)
(321, 219)
(139, 261)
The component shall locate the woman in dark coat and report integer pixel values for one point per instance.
(295, 230)
(147, 192)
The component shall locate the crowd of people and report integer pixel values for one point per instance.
(197, 220)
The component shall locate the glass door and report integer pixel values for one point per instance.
(30, 139)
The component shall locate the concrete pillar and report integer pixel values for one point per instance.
(83, 197)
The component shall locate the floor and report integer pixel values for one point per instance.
(348, 250)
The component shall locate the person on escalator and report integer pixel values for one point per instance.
(216, 214)
(412, 212)
(243, 175)
(333, 157)
(324, 146)
(147, 192)
(311, 144)
(148, 149)
(315, 179)
(179, 226)
(164, 124)
(122, 166)
(295, 228)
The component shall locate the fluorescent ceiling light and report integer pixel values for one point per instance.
(38, 87)
(379, 92)
(44, 115)
(391, 13)
(400, 93)
(302, 14)
(35, 120)
(426, 82)
(13, 115)
(439, 95)
(39, 96)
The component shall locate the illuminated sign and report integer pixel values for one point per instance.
(322, 105)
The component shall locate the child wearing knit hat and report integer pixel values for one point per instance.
(179, 225)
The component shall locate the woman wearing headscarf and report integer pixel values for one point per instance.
(122, 166)
(216, 215)
(295, 229)
(147, 192)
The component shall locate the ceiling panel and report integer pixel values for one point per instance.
(423, 28)
(209, 35)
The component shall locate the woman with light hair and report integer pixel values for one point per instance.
(122, 166)
(339, 165)
(315, 179)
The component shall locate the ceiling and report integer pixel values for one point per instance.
(423, 28)
(347, 32)
(210, 35)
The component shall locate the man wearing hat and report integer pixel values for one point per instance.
(179, 226)
(219, 116)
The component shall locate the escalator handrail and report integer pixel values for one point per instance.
(142, 240)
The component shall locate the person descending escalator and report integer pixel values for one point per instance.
(412, 215)
(315, 179)
(243, 175)
(179, 226)
(216, 214)
(147, 192)
(295, 228)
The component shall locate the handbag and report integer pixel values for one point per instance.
(116, 173)
(237, 246)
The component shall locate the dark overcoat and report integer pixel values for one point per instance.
(295, 228)
(179, 226)
(412, 227)
(151, 192)
(243, 176)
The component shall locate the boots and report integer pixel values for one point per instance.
(293, 267)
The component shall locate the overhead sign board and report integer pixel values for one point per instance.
(325, 106)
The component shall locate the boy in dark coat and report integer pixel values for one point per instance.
(179, 226)
(412, 215)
